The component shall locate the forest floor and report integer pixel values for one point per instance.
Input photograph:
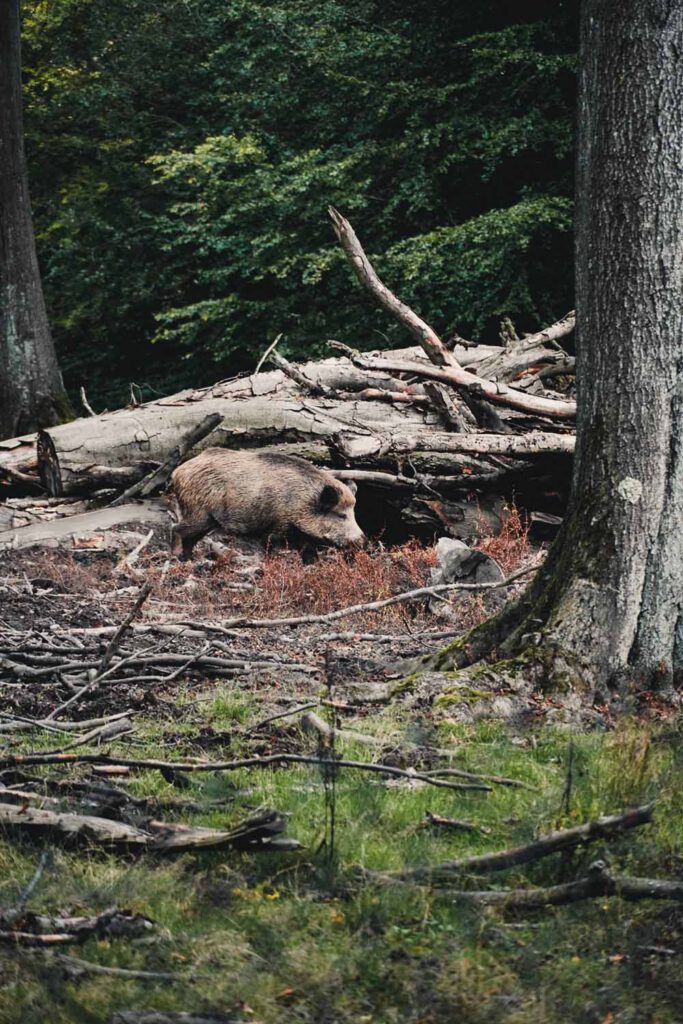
(318, 933)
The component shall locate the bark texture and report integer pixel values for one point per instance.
(31, 388)
(623, 590)
(608, 607)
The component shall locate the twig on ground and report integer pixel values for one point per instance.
(143, 594)
(129, 560)
(369, 606)
(77, 966)
(27, 892)
(311, 722)
(17, 723)
(282, 714)
(438, 821)
(499, 780)
(108, 731)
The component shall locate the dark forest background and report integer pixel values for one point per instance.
(182, 154)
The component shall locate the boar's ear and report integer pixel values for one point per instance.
(352, 486)
(328, 498)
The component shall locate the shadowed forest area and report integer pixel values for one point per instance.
(182, 155)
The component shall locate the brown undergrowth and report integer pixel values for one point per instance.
(281, 583)
(510, 547)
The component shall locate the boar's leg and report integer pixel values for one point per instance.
(187, 532)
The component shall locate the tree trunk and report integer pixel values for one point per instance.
(609, 606)
(31, 388)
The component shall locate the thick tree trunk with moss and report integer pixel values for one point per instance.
(608, 606)
(31, 388)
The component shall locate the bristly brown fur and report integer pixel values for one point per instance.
(256, 493)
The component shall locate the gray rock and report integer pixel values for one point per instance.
(460, 563)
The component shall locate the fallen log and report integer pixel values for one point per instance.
(69, 530)
(536, 443)
(262, 831)
(118, 449)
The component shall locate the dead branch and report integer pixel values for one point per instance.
(500, 394)
(300, 378)
(169, 1017)
(599, 882)
(261, 831)
(129, 560)
(17, 723)
(499, 780)
(370, 606)
(544, 846)
(517, 354)
(115, 642)
(25, 760)
(534, 443)
(366, 274)
(27, 892)
(447, 369)
(77, 967)
(438, 821)
(460, 420)
(155, 480)
(29, 929)
(85, 403)
(311, 722)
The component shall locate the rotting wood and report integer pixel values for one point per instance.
(262, 830)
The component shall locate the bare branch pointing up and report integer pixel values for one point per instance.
(451, 371)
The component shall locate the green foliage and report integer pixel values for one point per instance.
(182, 155)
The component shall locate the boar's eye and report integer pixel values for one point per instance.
(328, 498)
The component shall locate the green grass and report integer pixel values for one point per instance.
(294, 938)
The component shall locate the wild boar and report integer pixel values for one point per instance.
(257, 493)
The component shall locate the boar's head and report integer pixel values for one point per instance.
(332, 519)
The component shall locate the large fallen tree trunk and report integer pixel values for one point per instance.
(424, 424)
(115, 450)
